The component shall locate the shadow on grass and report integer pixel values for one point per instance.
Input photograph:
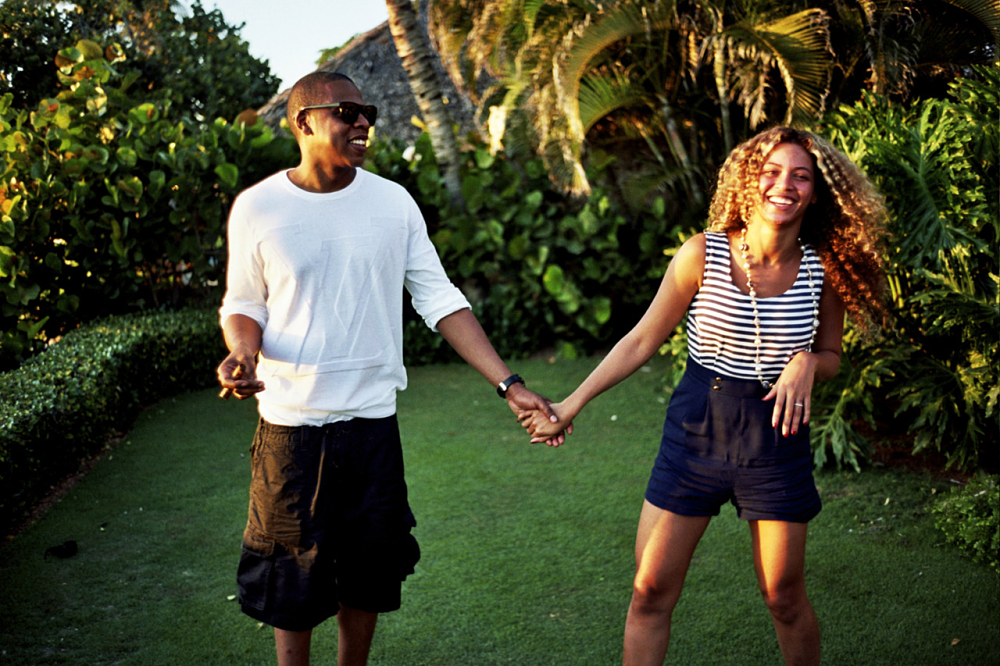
(527, 550)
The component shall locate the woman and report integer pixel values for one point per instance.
(792, 244)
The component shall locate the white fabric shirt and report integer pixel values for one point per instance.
(323, 276)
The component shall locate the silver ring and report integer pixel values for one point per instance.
(799, 404)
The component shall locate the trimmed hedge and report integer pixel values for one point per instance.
(62, 405)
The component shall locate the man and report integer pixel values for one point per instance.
(318, 259)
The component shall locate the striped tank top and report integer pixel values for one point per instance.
(720, 325)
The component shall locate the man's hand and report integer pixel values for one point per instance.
(524, 403)
(544, 429)
(238, 374)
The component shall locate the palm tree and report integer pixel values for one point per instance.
(574, 65)
(417, 58)
(683, 78)
(902, 48)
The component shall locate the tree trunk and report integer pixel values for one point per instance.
(680, 153)
(719, 69)
(415, 52)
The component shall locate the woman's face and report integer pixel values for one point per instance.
(786, 186)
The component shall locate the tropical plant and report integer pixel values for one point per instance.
(909, 48)
(541, 271)
(109, 205)
(30, 32)
(607, 71)
(668, 87)
(194, 59)
(937, 371)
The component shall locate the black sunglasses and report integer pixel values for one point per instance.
(348, 111)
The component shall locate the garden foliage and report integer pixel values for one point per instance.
(111, 205)
(194, 58)
(936, 370)
(970, 518)
(542, 271)
(62, 404)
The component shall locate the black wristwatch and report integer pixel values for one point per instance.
(507, 383)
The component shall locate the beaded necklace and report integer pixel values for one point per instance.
(744, 252)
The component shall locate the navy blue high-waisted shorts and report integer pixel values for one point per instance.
(719, 446)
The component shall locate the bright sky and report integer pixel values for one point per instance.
(291, 33)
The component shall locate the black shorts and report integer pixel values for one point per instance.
(329, 522)
(719, 446)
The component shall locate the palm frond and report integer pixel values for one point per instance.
(799, 47)
(602, 94)
(985, 11)
(595, 37)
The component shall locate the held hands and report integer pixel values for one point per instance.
(792, 393)
(528, 404)
(238, 375)
(543, 428)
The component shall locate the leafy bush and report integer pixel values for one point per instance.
(937, 164)
(109, 206)
(970, 518)
(193, 59)
(60, 406)
(541, 270)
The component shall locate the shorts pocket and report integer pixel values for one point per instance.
(285, 473)
(408, 548)
(254, 572)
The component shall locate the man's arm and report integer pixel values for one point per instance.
(238, 371)
(463, 332)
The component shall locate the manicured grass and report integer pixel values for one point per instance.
(527, 550)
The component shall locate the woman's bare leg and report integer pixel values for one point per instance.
(779, 553)
(665, 543)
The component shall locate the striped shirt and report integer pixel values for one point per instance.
(721, 331)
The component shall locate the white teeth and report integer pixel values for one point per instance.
(781, 201)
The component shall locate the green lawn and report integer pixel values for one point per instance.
(527, 550)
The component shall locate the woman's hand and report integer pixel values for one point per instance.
(543, 429)
(792, 393)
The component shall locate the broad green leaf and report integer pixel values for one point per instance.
(228, 174)
(127, 157)
(130, 185)
(144, 114)
(554, 280)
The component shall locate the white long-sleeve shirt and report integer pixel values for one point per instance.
(323, 276)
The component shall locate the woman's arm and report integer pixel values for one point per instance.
(677, 289)
(792, 393)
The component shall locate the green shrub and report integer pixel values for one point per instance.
(935, 374)
(62, 404)
(111, 204)
(970, 518)
(540, 270)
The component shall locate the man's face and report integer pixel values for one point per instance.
(325, 134)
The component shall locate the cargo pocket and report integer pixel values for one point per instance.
(254, 572)
(408, 549)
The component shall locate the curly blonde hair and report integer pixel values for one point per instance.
(846, 224)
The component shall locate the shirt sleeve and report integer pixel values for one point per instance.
(246, 288)
(434, 296)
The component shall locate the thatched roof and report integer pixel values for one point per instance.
(371, 61)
